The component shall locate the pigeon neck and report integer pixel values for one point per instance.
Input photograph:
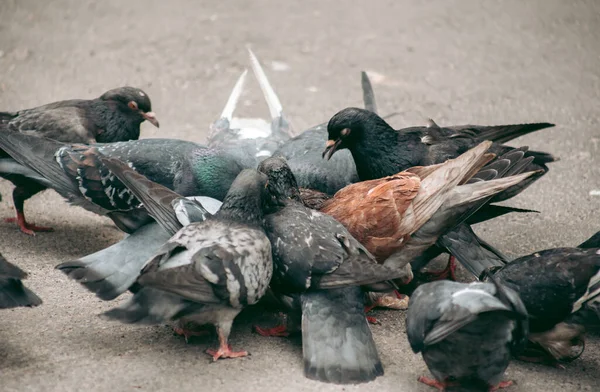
(113, 125)
(242, 208)
(376, 153)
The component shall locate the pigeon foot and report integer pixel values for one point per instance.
(225, 352)
(27, 228)
(433, 383)
(503, 384)
(278, 331)
(447, 273)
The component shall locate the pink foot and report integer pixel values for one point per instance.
(447, 273)
(27, 228)
(278, 331)
(432, 383)
(226, 352)
(503, 384)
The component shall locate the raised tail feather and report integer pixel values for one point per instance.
(337, 343)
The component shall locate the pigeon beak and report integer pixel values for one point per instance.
(151, 118)
(331, 147)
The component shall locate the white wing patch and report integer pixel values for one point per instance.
(592, 292)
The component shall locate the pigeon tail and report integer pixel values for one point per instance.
(110, 272)
(14, 294)
(337, 343)
(151, 306)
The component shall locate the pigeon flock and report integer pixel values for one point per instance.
(330, 222)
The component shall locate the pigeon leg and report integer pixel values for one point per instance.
(278, 331)
(188, 333)
(447, 273)
(503, 384)
(225, 351)
(20, 194)
(432, 383)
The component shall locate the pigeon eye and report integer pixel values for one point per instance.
(132, 105)
(345, 132)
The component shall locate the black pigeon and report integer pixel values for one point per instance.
(208, 271)
(115, 116)
(304, 157)
(379, 150)
(77, 173)
(319, 263)
(12, 291)
(561, 290)
(251, 140)
(466, 333)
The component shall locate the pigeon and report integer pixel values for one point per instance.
(12, 291)
(467, 333)
(320, 264)
(382, 214)
(251, 140)
(379, 150)
(304, 158)
(77, 174)
(561, 290)
(115, 116)
(208, 271)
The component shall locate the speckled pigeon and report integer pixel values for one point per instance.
(208, 271)
(115, 116)
(320, 265)
(467, 333)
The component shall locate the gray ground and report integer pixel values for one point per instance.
(454, 61)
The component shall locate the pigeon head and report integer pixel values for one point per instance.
(132, 101)
(349, 126)
(245, 199)
(282, 183)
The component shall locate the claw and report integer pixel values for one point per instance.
(273, 102)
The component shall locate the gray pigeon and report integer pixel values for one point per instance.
(466, 333)
(320, 265)
(77, 173)
(12, 291)
(208, 271)
(115, 116)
